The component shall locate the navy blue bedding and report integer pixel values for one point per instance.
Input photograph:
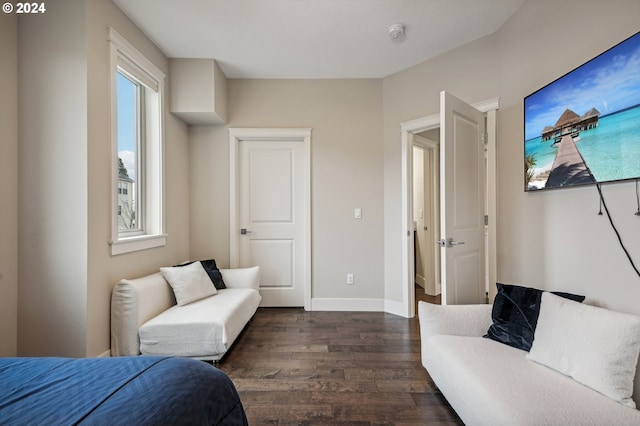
(116, 391)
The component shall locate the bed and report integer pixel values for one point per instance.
(141, 390)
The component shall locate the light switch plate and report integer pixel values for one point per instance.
(357, 213)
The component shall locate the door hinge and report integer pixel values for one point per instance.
(486, 219)
(485, 138)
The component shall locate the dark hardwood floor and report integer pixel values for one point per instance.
(420, 295)
(293, 367)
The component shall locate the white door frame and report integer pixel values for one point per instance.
(236, 135)
(407, 130)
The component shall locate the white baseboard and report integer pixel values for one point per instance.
(359, 305)
(106, 354)
(345, 305)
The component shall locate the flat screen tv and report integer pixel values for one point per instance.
(584, 128)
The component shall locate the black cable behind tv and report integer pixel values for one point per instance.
(603, 204)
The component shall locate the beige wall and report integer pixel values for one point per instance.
(554, 239)
(346, 164)
(52, 180)
(9, 186)
(209, 185)
(66, 270)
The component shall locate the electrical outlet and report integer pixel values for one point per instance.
(350, 279)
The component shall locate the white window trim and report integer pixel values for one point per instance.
(154, 234)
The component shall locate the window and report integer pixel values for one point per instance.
(130, 136)
(137, 89)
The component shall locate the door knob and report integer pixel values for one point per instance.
(449, 243)
(244, 231)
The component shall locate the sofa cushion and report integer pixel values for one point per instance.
(597, 347)
(189, 282)
(202, 328)
(488, 383)
(515, 314)
(242, 277)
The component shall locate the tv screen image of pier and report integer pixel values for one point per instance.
(584, 128)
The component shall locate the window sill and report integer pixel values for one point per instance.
(137, 243)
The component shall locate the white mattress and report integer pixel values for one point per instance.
(200, 329)
(489, 383)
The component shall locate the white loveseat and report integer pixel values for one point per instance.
(490, 383)
(145, 318)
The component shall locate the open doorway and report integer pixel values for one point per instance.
(426, 216)
(429, 125)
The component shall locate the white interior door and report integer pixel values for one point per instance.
(462, 200)
(272, 217)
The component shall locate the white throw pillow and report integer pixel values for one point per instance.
(595, 346)
(189, 283)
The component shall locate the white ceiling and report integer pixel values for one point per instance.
(314, 38)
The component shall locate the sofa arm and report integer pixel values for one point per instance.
(456, 320)
(453, 320)
(134, 302)
(242, 277)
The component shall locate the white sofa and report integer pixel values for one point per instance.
(145, 318)
(490, 383)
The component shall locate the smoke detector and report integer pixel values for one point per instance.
(396, 30)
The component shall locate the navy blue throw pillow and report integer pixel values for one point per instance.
(212, 270)
(515, 314)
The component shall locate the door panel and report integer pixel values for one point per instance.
(462, 201)
(271, 185)
(466, 269)
(275, 258)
